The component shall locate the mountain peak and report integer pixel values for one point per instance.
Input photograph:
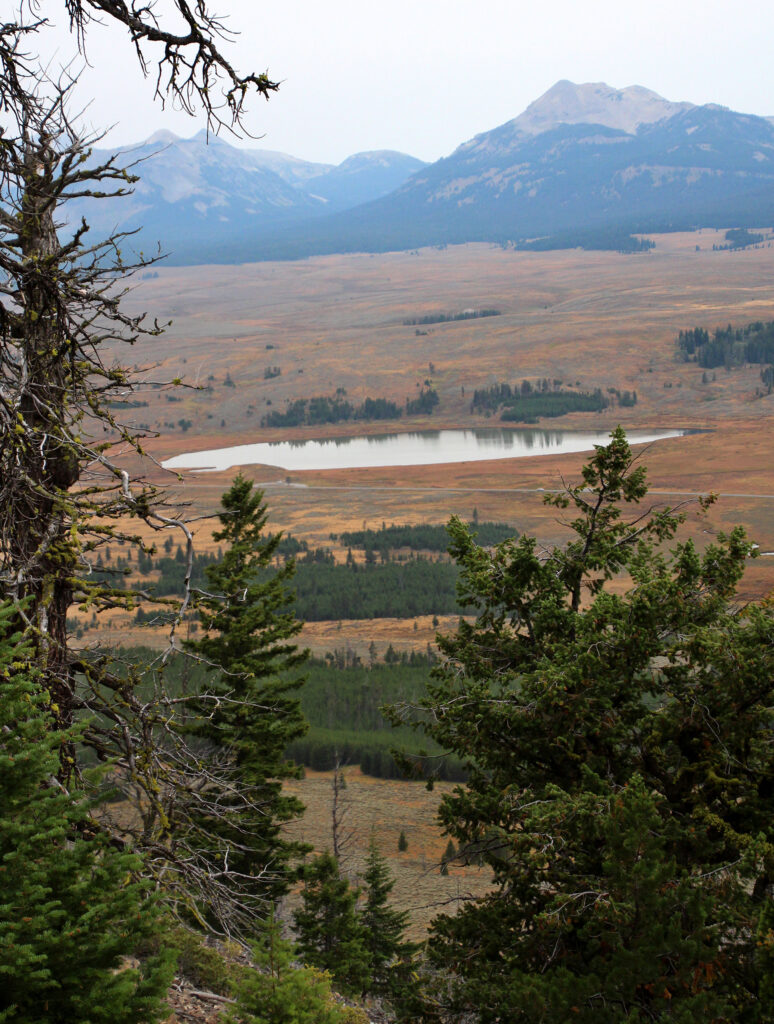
(163, 137)
(379, 158)
(595, 103)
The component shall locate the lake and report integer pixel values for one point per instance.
(422, 448)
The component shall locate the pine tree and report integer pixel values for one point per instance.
(619, 755)
(251, 712)
(70, 906)
(389, 954)
(329, 932)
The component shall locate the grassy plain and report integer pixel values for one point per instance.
(599, 318)
(602, 319)
(383, 808)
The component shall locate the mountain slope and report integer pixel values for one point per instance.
(363, 177)
(580, 161)
(199, 193)
(192, 193)
(583, 164)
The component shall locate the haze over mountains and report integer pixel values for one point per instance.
(197, 193)
(583, 164)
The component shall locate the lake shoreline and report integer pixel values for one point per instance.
(408, 448)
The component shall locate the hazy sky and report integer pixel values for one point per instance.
(422, 76)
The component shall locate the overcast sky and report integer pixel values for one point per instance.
(422, 76)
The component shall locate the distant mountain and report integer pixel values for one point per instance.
(199, 194)
(592, 103)
(699, 165)
(584, 164)
(363, 177)
(193, 193)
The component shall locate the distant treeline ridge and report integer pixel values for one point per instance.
(447, 318)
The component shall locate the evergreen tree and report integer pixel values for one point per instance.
(251, 711)
(70, 906)
(388, 951)
(330, 934)
(280, 993)
(620, 759)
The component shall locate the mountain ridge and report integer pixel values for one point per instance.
(584, 164)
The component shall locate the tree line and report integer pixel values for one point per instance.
(740, 238)
(447, 318)
(419, 537)
(728, 346)
(325, 590)
(322, 409)
(402, 590)
(528, 402)
(343, 704)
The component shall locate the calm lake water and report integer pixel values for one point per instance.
(427, 447)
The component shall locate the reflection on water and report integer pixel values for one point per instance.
(428, 447)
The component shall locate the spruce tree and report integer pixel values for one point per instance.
(389, 953)
(251, 711)
(329, 932)
(618, 743)
(71, 907)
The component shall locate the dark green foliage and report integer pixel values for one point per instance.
(201, 965)
(373, 591)
(377, 754)
(343, 704)
(490, 399)
(321, 409)
(378, 409)
(728, 346)
(277, 992)
(528, 402)
(252, 710)
(329, 932)
(342, 700)
(529, 408)
(172, 570)
(626, 399)
(423, 404)
(422, 537)
(446, 318)
(71, 907)
(325, 590)
(290, 545)
(620, 771)
(389, 954)
(740, 238)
